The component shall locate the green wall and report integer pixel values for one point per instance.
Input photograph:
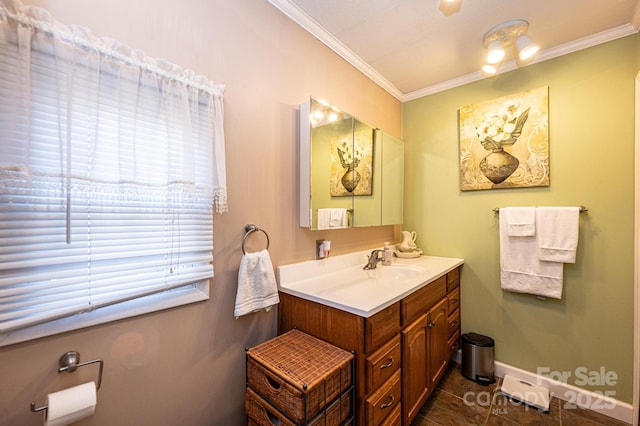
(591, 138)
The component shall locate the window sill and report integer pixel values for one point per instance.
(131, 308)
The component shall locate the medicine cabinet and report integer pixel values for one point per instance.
(351, 174)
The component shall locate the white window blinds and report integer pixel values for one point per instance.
(111, 165)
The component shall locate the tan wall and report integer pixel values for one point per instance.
(186, 366)
(591, 144)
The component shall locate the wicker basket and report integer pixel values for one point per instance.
(295, 370)
(261, 413)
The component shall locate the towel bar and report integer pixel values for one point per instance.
(348, 210)
(582, 209)
(248, 230)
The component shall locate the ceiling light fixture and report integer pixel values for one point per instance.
(505, 35)
(449, 7)
(495, 52)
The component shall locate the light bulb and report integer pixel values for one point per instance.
(449, 7)
(489, 69)
(495, 52)
(526, 48)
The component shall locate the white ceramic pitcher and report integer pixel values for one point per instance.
(408, 241)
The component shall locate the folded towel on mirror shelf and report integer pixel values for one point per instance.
(338, 218)
(557, 233)
(257, 287)
(332, 218)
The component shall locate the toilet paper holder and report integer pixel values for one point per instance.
(69, 362)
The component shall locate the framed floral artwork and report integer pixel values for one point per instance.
(352, 164)
(504, 142)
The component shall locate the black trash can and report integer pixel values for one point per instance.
(478, 358)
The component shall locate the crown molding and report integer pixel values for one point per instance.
(309, 24)
(318, 31)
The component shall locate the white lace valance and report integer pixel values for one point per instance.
(92, 109)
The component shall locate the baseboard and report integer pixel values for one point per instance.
(571, 394)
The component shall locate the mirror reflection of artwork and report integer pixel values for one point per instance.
(504, 143)
(352, 164)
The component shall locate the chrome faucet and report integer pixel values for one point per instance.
(376, 256)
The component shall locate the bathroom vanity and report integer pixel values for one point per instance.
(402, 322)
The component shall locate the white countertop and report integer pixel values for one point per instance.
(340, 281)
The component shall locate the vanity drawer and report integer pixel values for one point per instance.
(383, 363)
(381, 327)
(454, 299)
(454, 321)
(453, 279)
(421, 300)
(393, 419)
(383, 401)
(454, 343)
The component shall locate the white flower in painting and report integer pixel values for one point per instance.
(350, 153)
(501, 129)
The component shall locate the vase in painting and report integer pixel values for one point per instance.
(350, 179)
(498, 165)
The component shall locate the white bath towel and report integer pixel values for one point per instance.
(520, 269)
(332, 218)
(257, 287)
(521, 221)
(557, 229)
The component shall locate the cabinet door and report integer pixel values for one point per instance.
(416, 382)
(438, 340)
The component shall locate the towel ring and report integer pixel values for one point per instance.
(248, 230)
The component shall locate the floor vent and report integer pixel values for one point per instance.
(525, 392)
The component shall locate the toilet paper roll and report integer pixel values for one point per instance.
(70, 405)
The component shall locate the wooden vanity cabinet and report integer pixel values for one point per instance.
(400, 352)
(453, 296)
(425, 354)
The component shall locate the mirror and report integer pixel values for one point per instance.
(351, 174)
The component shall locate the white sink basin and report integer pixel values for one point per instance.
(395, 272)
(340, 281)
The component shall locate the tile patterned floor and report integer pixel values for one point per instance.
(458, 401)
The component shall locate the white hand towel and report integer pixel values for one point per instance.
(520, 269)
(338, 218)
(521, 221)
(257, 287)
(557, 229)
(332, 218)
(324, 218)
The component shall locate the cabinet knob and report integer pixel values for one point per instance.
(431, 324)
(388, 404)
(383, 366)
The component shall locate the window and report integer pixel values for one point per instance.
(111, 165)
